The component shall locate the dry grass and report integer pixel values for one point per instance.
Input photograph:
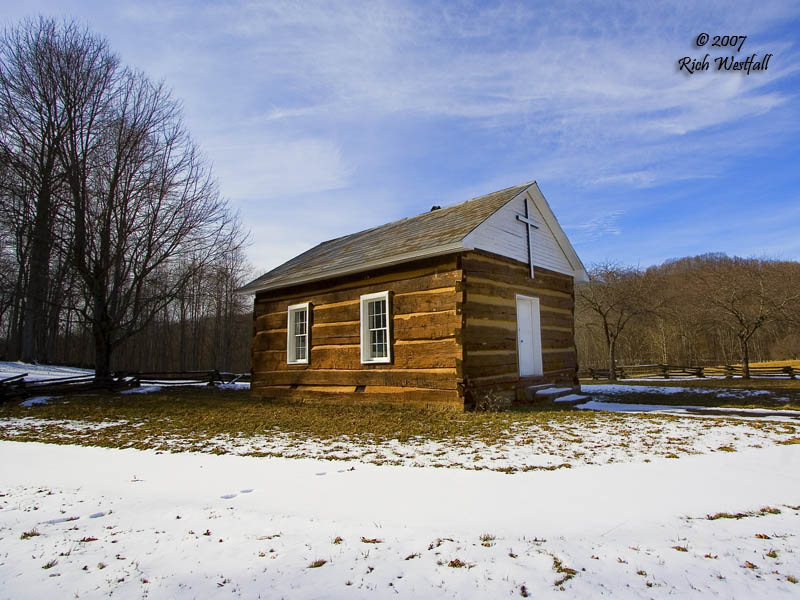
(777, 363)
(196, 415)
(197, 419)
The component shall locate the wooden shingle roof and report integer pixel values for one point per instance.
(429, 234)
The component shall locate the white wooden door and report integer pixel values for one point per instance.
(529, 337)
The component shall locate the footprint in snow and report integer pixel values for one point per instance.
(61, 520)
(97, 515)
(246, 491)
(320, 473)
(228, 496)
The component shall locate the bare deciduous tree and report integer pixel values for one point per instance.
(112, 196)
(744, 296)
(32, 127)
(613, 298)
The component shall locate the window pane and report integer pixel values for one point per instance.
(298, 330)
(376, 329)
(300, 322)
(378, 343)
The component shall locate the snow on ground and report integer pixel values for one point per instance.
(36, 400)
(84, 522)
(615, 389)
(36, 372)
(570, 441)
(143, 389)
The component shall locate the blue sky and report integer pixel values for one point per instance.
(325, 119)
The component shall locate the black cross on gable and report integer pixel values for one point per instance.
(529, 223)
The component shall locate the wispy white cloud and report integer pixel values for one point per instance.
(595, 228)
(300, 100)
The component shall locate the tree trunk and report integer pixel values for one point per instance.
(102, 341)
(102, 358)
(745, 357)
(612, 360)
(33, 331)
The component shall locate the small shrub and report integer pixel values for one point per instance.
(371, 540)
(317, 563)
(566, 572)
(29, 534)
(680, 548)
(491, 401)
(457, 563)
(50, 564)
(748, 565)
(337, 540)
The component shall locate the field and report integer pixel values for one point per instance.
(208, 493)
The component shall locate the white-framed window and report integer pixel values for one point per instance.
(375, 328)
(297, 334)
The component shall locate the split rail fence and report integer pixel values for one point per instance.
(664, 371)
(20, 387)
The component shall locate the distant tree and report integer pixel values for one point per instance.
(110, 206)
(744, 296)
(143, 205)
(613, 299)
(32, 126)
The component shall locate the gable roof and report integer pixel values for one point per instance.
(432, 233)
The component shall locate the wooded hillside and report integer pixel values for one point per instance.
(703, 310)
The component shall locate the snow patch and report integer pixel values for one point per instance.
(143, 389)
(376, 529)
(36, 400)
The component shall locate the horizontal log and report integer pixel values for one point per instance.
(442, 379)
(472, 371)
(401, 281)
(400, 305)
(513, 272)
(492, 380)
(410, 355)
(437, 399)
(502, 301)
(475, 360)
(421, 326)
(531, 288)
(420, 303)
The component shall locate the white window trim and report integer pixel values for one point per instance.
(365, 358)
(290, 338)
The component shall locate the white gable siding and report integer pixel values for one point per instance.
(503, 234)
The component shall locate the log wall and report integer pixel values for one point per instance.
(489, 323)
(425, 339)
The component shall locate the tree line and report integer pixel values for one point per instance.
(703, 310)
(116, 248)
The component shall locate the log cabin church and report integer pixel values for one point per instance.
(445, 309)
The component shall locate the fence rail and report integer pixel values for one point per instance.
(665, 371)
(19, 387)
